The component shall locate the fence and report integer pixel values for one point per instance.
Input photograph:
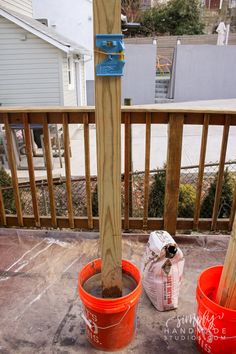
(63, 204)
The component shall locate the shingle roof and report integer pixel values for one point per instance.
(46, 33)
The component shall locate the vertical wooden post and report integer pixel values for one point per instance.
(233, 210)
(220, 177)
(68, 169)
(175, 133)
(127, 170)
(29, 153)
(48, 158)
(2, 209)
(12, 165)
(128, 129)
(147, 169)
(108, 130)
(201, 170)
(87, 170)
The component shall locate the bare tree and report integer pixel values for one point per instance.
(131, 9)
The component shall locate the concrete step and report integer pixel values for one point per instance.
(161, 96)
(161, 86)
(159, 89)
(163, 100)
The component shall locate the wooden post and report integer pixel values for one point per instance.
(108, 130)
(48, 158)
(128, 130)
(226, 294)
(29, 153)
(201, 170)
(68, 169)
(147, 169)
(220, 177)
(87, 170)
(128, 176)
(12, 166)
(175, 134)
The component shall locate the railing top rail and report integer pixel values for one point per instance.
(168, 108)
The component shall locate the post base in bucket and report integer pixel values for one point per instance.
(215, 325)
(110, 323)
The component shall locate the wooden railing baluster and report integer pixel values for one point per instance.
(29, 150)
(175, 133)
(2, 209)
(48, 158)
(127, 171)
(233, 210)
(68, 169)
(201, 170)
(12, 165)
(87, 170)
(147, 169)
(220, 177)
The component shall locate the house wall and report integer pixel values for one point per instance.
(72, 19)
(204, 72)
(22, 6)
(69, 94)
(29, 68)
(138, 82)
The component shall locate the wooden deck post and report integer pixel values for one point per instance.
(108, 130)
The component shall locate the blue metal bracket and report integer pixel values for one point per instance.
(113, 46)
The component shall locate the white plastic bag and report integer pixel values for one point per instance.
(162, 269)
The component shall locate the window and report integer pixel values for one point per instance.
(70, 73)
(232, 4)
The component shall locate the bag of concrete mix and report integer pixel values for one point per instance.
(162, 268)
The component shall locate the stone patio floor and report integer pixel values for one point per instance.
(39, 304)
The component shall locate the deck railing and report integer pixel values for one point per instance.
(175, 118)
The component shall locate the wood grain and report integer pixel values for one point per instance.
(220, 176)
(48, 158)
(147, 169)
(12, 165)
(29, 153)
(108, 129)
(201, 170)
(68, 169)
(226, 294)
(174, 151)
(87, 171)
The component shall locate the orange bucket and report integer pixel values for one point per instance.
(110, 323)
(215, 327)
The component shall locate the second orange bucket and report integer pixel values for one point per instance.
(216, 325)
(110, 323)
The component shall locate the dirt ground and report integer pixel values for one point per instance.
(40, 311)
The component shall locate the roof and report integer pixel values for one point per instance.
(46, 33)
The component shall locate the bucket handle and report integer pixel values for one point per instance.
(89, 324)
(201, 329)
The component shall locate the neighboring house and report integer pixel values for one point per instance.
(23, 7)
(73, 19)
(37, 65)
(147, 4)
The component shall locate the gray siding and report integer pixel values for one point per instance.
(22, 6)
(29, 68)
(69, 94)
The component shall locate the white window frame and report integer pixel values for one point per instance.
(70, 73)
(232, 4)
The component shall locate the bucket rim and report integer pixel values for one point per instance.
(110, 304)
(210, 302)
